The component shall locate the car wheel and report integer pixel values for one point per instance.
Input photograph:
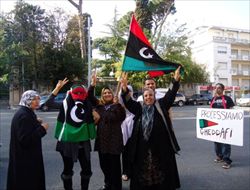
(195, 103)
(45, 108)
(180, 103)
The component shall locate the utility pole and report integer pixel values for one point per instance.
(89, 52)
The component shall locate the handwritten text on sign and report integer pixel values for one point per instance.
(220, 125)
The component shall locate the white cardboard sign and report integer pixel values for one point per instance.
(220, 125)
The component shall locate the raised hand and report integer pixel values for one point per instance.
(124, 82)
(59, 85)
(93, 79)
(177, 75)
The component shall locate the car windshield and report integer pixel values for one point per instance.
(44, 97)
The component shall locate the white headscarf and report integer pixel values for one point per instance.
(27, 97)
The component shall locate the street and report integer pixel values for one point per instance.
(195, 162)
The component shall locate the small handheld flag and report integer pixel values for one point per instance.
(140, 56)
(206, 123)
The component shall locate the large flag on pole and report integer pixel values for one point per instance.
(140, 56)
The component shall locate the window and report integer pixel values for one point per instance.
(245, 70)
(235, 82)
(230, 35)
(234, 53)
(223, 81)
(222, 49)
(245, 54)
(245, 83)
(222, 65)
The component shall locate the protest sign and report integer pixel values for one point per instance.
(220, 125)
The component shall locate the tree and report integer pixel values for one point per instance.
(111, 46)
(37, 40)
(23, 38)
(175, 46)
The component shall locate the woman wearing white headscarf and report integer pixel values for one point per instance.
(26, 169)
(152, 145)
(127, 127)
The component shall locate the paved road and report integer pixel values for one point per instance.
(195, 162)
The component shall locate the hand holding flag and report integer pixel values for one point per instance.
(177, 75)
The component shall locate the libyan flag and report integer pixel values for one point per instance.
(140, 56)
(75, 121)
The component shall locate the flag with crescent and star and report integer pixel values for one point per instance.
(75, 121)
(140, 56)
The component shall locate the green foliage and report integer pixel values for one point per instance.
(174, 46)
(43, 43)
(144, 16)
(111, 46)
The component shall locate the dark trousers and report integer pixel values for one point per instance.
(223, 151)
(125, 162)
(111, 168)
(85, 163)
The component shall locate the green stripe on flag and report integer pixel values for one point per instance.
(202, 123)
(131, 64)
(73, 134)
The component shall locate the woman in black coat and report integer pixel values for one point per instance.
(109, 141)
(26, 169)
(153, 145)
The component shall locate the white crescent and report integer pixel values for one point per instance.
(141, 52)
(73, 113)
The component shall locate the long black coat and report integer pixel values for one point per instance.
(153, 163)
(26, 169)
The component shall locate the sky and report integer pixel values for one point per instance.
(227, 13)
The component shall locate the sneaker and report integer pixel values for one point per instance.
(226, 166)
(218, 160)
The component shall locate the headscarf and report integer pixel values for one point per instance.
(102, 101)
(78, 92)
(147, 120)
(27, 98)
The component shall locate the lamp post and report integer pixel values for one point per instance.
(89, 52)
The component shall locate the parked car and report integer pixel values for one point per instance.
(59, 99)
(197, 99)
(180, 99)
(244, 100)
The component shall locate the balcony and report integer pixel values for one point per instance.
(240, 72)
(230, 40)
(240, 57)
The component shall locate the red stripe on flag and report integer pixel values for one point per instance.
(155, 73)
(137, 31)
(211, 123)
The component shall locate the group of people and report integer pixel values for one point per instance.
(140, 131)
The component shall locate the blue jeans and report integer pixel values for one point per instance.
(223, 151)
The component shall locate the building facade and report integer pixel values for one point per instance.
(226, 54)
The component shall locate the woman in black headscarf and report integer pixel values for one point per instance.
(26, 169)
